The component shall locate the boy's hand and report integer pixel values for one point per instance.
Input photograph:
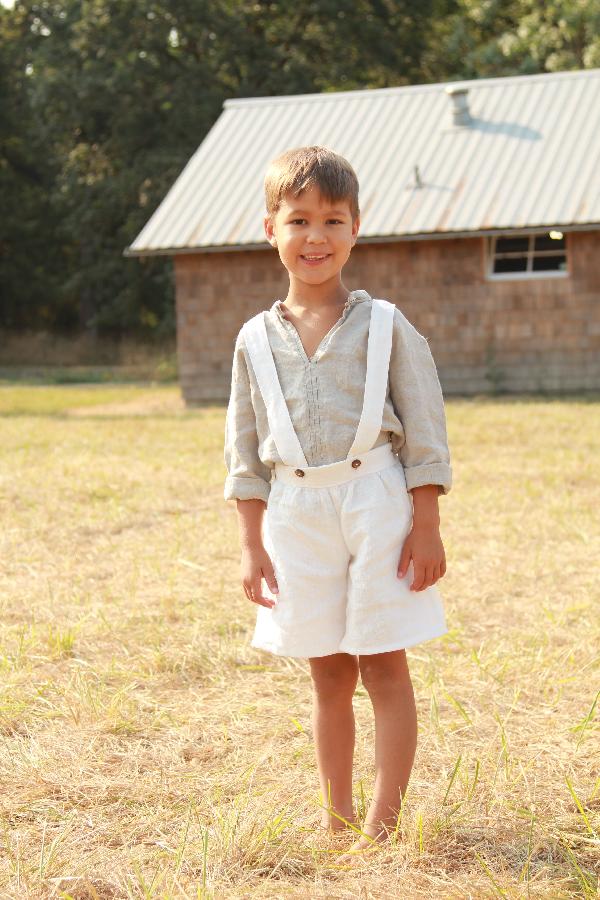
(256, 565)
(424, 546)
(423, 543)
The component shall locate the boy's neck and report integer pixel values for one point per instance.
(318, 296)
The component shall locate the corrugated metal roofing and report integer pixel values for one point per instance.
(530, 157)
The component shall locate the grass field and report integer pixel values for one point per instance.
(148, 751)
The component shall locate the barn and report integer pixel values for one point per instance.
(480, 220)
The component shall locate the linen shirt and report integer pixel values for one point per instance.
(324, 395)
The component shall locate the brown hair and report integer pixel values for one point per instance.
(297, 169)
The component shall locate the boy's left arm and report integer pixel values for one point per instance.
(417, 398)
(423, 543)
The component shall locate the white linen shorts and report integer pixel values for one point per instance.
(335, 552)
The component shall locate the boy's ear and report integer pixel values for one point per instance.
(355, 227)
(269, 231)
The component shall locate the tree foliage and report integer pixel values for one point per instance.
(491, 38)
(103, 103)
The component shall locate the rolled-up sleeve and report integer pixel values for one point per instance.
(416, 394)
(248, 478)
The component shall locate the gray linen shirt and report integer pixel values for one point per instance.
(324, 396)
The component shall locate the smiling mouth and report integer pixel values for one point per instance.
(315, 258)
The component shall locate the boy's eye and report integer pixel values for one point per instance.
(300, 221)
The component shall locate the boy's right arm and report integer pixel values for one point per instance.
(247, 482)
(248, 478)
(255, 563)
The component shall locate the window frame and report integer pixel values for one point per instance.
(532, 254)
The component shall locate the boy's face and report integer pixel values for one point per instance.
(313, 236)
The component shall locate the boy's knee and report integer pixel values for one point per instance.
(334, 675)
(384, 672)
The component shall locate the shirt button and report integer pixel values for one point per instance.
(355, 463)
(299, 473)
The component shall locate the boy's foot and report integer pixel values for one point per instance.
(326, 840)
(337, 829)
(362, 849)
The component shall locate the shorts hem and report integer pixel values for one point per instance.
(403, 645)
(281, 651)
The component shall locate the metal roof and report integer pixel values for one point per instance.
(529, 157)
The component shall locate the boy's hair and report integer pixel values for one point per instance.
(297, 169)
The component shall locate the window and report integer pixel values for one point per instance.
(528, 255)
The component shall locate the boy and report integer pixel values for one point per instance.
(336, 425)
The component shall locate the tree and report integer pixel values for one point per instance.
(29, 263)
(490, 38)
(104, 103)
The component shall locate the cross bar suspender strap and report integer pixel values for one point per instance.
(280, 423)
(379, 349)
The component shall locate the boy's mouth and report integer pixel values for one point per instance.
(314, 258)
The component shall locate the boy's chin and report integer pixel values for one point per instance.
(316, 282)
(316, 275)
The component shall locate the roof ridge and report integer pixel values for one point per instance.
(329, 96)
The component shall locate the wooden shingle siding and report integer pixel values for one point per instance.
(541, 334)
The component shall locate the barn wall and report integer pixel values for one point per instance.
(529, 335)
(215, 294)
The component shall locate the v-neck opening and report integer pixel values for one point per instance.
(326, 337)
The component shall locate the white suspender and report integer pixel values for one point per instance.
(280, 423)
(379, 349)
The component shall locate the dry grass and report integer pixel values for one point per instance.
(148, 751)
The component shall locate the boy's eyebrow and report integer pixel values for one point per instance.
(337, 212)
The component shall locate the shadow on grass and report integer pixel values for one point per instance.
(84, 375)
(507, 398)
(64, 403)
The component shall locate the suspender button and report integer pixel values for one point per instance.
(299, 473)
(356, 463)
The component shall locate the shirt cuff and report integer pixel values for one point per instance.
(433, 473)
(238, 488)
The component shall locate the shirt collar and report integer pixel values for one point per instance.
(354, 297)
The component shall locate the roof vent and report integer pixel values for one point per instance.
(460, 105)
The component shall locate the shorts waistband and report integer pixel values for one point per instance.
(340, 472)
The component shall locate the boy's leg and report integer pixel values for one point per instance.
(387, 679)
(334, 680)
